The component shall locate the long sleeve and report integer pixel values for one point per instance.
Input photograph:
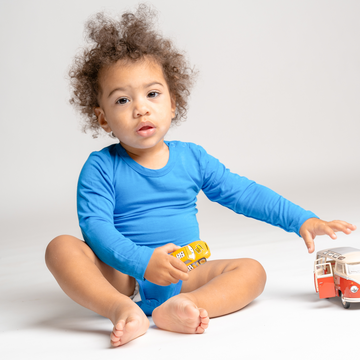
(96, 202)
(248, 198)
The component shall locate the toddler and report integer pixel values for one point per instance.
(137, 198)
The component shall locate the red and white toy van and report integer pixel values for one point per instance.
(337, 273)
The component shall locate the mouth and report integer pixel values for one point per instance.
(145, 129)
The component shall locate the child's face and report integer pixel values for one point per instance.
(135, 104)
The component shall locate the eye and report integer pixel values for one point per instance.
(122, 101)
(153, 94)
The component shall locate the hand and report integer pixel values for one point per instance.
(313, 227)
(164, 269)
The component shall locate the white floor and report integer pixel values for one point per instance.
(289, 321)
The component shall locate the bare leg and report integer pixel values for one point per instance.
(96, 286)
(213, 289)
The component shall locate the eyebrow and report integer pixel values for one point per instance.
(145, 86)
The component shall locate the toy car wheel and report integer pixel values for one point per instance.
(345, 304)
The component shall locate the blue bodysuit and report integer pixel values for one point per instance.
(126, 211)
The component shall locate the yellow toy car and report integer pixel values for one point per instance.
(194, 254)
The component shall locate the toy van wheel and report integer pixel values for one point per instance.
(345, 304)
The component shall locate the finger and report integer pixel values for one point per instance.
(178, 275)
(343, 226)
(168, 280)
(337, 226)
(328, 230)
(346, 224)
(180, 272)
(169, 248)
(309, 242)
(178, 264)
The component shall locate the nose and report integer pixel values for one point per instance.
(141, 108)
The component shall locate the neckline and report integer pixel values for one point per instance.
(146, 171)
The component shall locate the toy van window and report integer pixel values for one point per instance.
(353, 268)
(339, 267)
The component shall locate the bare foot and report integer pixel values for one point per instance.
(129, 324)
(180, 314)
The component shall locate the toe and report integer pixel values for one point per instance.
(115, 339)
(119, 326)
(115, 334)
(204, 320)
(115, 344)
(199, 330)
(203, 314)
(204, 325)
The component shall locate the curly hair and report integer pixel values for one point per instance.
(130, 38)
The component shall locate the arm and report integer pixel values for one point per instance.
(96, 202)
(256, 201)
(248, 198)
(313, 227)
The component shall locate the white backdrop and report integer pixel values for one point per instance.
(277, 100)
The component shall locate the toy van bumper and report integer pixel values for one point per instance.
(351, 300)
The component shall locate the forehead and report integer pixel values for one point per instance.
(132, 74)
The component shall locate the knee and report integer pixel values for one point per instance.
(255, 272)
(259, 274)
(51, 250)
(55, 249)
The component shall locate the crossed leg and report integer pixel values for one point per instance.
(213, 289)
(96, 286)
(216, 288)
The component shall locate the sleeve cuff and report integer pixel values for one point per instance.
(308, 215)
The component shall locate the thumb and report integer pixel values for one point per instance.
(169, 248)
(309, 242)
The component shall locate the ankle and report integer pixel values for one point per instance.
(189, 296)
(120, 308)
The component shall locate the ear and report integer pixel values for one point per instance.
(99, 112)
